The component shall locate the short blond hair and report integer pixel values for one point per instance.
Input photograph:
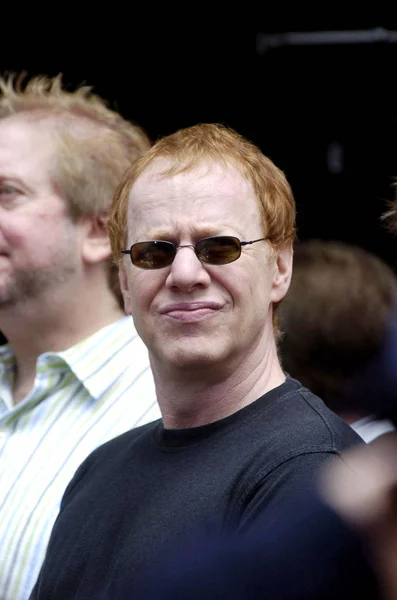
(94, 144)
(213, 142)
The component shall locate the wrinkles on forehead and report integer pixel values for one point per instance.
(160, 204)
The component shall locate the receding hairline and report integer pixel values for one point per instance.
(57, 121)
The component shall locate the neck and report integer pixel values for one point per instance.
(35, 326)
(191, 399)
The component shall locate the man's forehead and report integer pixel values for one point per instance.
(205, 198)
(21, 124)
(202, 178)
(23, 143)
(18, 132)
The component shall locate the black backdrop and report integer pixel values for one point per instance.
(326, 114)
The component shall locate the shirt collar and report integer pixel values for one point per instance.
(102, 358)
(99, 360)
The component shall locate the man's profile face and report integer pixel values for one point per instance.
(192, 314)
(38, 243)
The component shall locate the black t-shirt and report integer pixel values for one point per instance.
(308, 553)
(151, 489)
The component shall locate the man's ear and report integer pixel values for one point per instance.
(125, 290)
(282, 273)
(96, 243)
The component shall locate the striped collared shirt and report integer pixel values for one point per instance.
(81, 398)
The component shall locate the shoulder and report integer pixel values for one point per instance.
(123, 442)
(106, 457)
(307, 421)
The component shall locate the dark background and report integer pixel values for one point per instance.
(326, 114)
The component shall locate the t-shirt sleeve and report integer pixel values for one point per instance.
(283, 485)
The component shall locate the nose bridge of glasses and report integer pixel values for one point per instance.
(185, 246)
(192, 246)
(186, 268)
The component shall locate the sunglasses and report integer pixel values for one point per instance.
(157, 254)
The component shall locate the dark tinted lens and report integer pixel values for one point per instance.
(152, 255)
(218, 250)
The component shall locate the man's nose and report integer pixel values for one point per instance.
(186, 271)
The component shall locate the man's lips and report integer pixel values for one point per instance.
(190, 311)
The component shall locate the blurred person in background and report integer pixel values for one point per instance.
(74, 373)
(338, 328)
